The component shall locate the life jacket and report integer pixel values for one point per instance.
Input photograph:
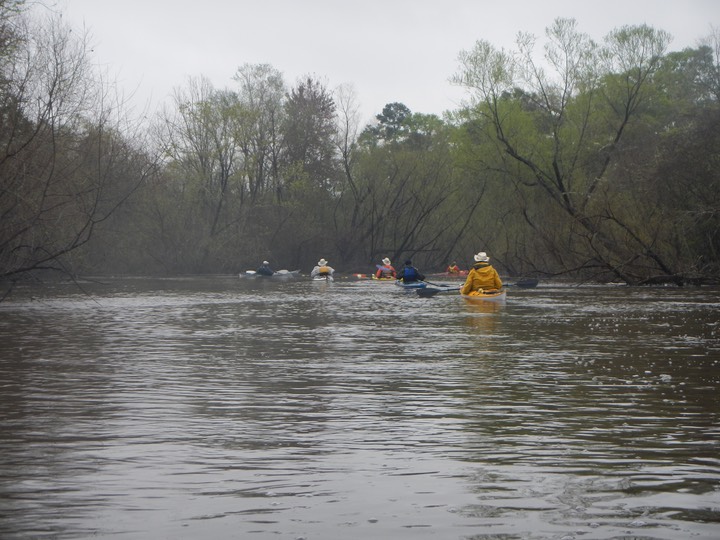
(324, 270)
(386, 271)
(409, 273)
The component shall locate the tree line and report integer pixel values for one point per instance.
(593, 161)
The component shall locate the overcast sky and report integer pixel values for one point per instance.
(388, 50)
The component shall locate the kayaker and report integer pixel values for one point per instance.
(265, 269)
(410, 274)
(322, 269)
(482, 276)
(386, 270)
(453, 268)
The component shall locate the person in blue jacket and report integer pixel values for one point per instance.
(265, 269)
(409, 274)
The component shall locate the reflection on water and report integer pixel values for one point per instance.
(482, 316)
(222, 408)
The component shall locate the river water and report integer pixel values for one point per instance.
(219, 407)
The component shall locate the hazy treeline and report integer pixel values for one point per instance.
(592, 160)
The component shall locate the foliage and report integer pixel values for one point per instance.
(592, 160)
(565, 129)
(65, 162)
(308, 130)
(404, 197)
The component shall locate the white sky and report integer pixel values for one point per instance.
(388, 50)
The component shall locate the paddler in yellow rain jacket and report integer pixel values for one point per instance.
(482, 276)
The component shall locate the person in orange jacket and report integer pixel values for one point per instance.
(482, 276)
(453, 268)
(386, 270)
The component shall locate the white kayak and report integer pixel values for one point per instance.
(279, 274)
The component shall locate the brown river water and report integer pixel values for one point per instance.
(219, 407)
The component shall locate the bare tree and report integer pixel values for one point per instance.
(65, 159)
(712, 42)
(202, 159)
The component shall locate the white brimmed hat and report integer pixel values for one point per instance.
(265, 262)
(322, 262)
(482, 257)
(386, 261)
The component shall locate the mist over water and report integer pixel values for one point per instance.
(239, 408)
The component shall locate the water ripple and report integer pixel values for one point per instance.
(219, 407)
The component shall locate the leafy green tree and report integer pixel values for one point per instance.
(309, 132)
(687, 78)
(559, 134)
(10, 35)
(391, 124)
(259, 115)
(199, 143)
(310, 170)
(685, 188)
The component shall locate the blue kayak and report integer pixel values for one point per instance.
(411, 284)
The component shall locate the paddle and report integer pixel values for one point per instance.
(436, 284)
(429, 293)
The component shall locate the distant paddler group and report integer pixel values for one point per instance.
(481, 283)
